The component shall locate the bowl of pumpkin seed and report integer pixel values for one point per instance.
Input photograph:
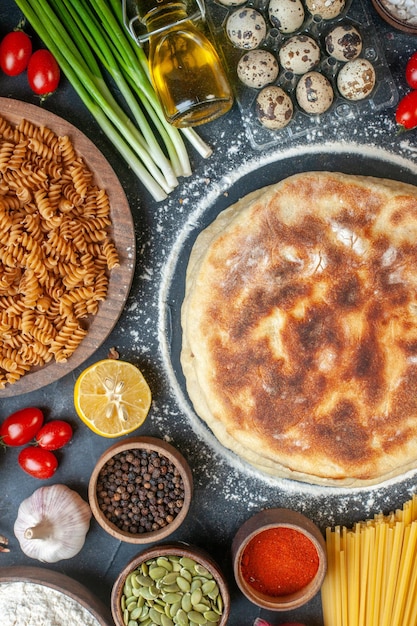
(170, 585)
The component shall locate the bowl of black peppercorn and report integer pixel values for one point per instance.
(140, 490)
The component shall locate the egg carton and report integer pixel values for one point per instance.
(355, 13)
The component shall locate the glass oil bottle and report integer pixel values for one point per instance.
(185, 68)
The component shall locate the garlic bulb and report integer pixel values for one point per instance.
(52, 523)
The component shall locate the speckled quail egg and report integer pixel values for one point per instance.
(326, 9)
(246, 28)
(299, 54)
(314, 93)
(232, 3)
(286, 15)
(356, 79)
(274, 107)
(257, 68)
(344, 43)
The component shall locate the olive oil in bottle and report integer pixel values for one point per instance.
(185, 68)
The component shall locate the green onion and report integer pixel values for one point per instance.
(87, 35)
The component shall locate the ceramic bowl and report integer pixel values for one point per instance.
(140, 490)
(382, 9)
(286, 526)
(54, 585)
(207, 577)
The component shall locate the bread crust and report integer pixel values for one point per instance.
(300, 328)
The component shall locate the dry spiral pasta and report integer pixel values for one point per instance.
(56, 250)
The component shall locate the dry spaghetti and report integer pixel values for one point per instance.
(371, 578)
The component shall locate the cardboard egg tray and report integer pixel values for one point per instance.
(383, 96)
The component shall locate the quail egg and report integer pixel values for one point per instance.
(356, 79)
(274, 107)
(344, 43)
(299, 54)
(326, 9)
(257, 68)
(246, 28)
(314, 93)
(286, 15)
(232, 3)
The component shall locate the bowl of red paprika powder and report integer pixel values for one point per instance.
(279, 559)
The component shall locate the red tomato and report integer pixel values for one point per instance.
(54, 435)
(15, 52)
(38, 462)
(21, 427)
(411, 71)
(43, 72)
(406, 113)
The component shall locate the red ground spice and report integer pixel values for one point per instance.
(279, 561)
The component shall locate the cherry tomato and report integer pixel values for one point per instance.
(21, 427)
(406, 113)
(15, 52)
(411, 71)
(54, 435)
(43, 72)
(38, 462)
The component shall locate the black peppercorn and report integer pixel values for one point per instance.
(140, 491)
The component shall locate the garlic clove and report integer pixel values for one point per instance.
(52, 524)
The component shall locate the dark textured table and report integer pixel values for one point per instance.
(226, 493)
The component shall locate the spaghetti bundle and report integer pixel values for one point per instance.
(372, 577)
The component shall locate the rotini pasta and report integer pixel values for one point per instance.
(56, 251)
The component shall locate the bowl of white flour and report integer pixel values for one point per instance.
(34, 596)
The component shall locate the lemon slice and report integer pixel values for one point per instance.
(112, 397)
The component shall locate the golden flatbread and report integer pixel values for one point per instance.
(300, 328)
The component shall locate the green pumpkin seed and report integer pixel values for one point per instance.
(196, 584)
(172, 598)
(208, 587)
(136, 613)
(157, 572)
(197, 618)
(142, 581)
(183, 584)
(196, 596)
(169, 588)
(148, 593)
(145, 614)
(211, 616)
(201, 607)
(131, 605)
(162, 561)
(170, 578)
(174, 608)
(132, 622)
(185, 573)
(182, 618)
(126, 617)
(213, 594)
(186, 603)
(166, 621)
(155, 616)
(188, 563)
(202, 571)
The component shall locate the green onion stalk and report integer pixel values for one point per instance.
(85, 35)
